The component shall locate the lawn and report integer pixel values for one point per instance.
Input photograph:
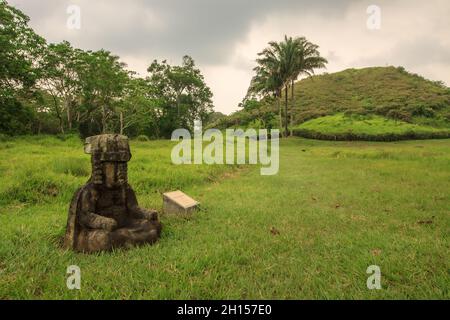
(311, 231)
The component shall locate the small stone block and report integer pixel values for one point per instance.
(178, 202)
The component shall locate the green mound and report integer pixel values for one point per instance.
(372, 128)
(388, 92)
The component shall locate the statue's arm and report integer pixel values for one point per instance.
(136, 211)
(88, 218)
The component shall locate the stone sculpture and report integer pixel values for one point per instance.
(104, 214)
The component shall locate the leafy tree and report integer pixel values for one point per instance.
(20, 49)
(182, 94)
(103, 79)
(61, 80)
(49, 88)
(215, 116)
(250, 103)
(278, 63)
(268, 81)
(138, 109)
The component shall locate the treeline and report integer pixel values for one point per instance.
(56, 88)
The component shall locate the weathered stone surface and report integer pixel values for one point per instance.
(105, 214)
(178, 203)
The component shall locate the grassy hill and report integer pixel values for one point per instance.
(389, 92)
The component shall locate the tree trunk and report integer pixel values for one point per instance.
(103, 119)
(178, 111)
(61, 125)
(286, 122)
(281, 116)
(121, 122)
(58, 115)
(292, 108)
(69, 116)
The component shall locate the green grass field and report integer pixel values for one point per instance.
(311, 231)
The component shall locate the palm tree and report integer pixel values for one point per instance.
(308, 59)
(270, 75)
(289, 61)
(279, 65)
(266, 82)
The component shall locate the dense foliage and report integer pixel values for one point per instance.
(55, 88)
(366, 127)
(18, 69)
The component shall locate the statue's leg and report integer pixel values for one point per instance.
(94, 240)
(122, 237)
(149, 231)
(137, 231)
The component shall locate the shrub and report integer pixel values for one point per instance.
(3, 137)
(142, 138)
(371, 128)
(256, 124)
(386, 137)
(447, 116)
(399, 115)
(423, 111)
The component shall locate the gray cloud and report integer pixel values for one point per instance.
(206, 29)
(421, 52)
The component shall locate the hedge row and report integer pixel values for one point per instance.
(350, 136)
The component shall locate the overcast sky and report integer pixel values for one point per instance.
(224, 36)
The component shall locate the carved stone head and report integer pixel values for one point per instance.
(109, 156)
